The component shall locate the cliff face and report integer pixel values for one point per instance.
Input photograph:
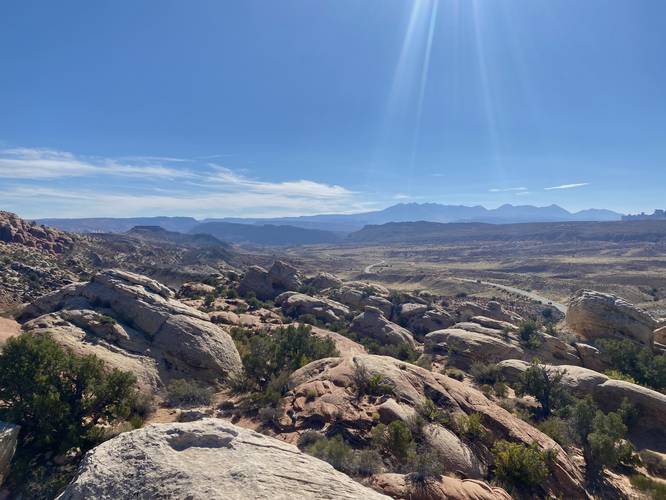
(13, 229)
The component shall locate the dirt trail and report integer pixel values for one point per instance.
(530, 295)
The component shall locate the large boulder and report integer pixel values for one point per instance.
(421, 319)
(358, 297)
(281, 277)
(607, 392)
(372, 323)
(446, 488)
(322, 281)
(468, 343)
(298, 304)
(203, 460)
(134, 323)
(324, 395)
(492, 309)
(594, 314)
(8, 440)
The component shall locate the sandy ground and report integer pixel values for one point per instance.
(8, 328)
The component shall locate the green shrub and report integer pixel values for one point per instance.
(59, 398)
(370, 385)
(426, 466)
(557, 429)
(519, 466)
(334, 451)
(185, 392)
(270, 357)
(395, 439)
(654, 489)
(470, 425)
(432, 413)
(403, 351)
(456, 373)
(618, 375)
(635, 361)
(600, 436)
(546, 387)
(528, 333)
(483, 373)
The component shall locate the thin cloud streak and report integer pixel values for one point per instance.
(567, 186)
(507, 190)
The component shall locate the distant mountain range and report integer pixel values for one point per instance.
(438, 233)
(329, 228)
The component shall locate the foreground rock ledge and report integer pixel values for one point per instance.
(207, 459)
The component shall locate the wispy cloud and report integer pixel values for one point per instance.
(161, 186)
(30, 163)
(568, 186)
(507, 190)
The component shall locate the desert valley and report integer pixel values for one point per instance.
(407, 360)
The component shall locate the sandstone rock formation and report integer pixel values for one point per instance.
(8, 440)
(467, 343)
(492, 309)
(296, 304)
(133, 323)
(421, 319)
(322, 281)
(323, 395)
(594, 314)
(13, 229)
(358, 297)
(449, 488)
(204, 460)
(372, 323)
(266, 285)
(608, 393)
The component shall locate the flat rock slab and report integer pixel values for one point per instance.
(204, 460)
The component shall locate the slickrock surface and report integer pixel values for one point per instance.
(205, 460)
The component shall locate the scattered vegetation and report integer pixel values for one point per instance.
(370, 385)
(601, 436)
(654, 489)
(270, 357)
(545, 386)
(396, 440)
(637, 362)
(518, 466)
(528, 333)
(185, 392)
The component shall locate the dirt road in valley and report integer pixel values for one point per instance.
(525, 293)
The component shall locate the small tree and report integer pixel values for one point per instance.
(600, 435)
(60, 399)
(546, 387)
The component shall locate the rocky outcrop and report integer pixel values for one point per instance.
(359, 297)
(298, 304)
(345, 346)
(193, 290)
(492, 309)
(468, 343)
(13, 229)
(133, 323)
(608, 393)
(266, 285)
(593, 314)
(660, 335)
(203, 460)
(449, 488)
(421, 319)
(323, 281)
(8, 440)
(323, 394)
(372, 323)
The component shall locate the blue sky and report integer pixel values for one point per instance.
(258, 108)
